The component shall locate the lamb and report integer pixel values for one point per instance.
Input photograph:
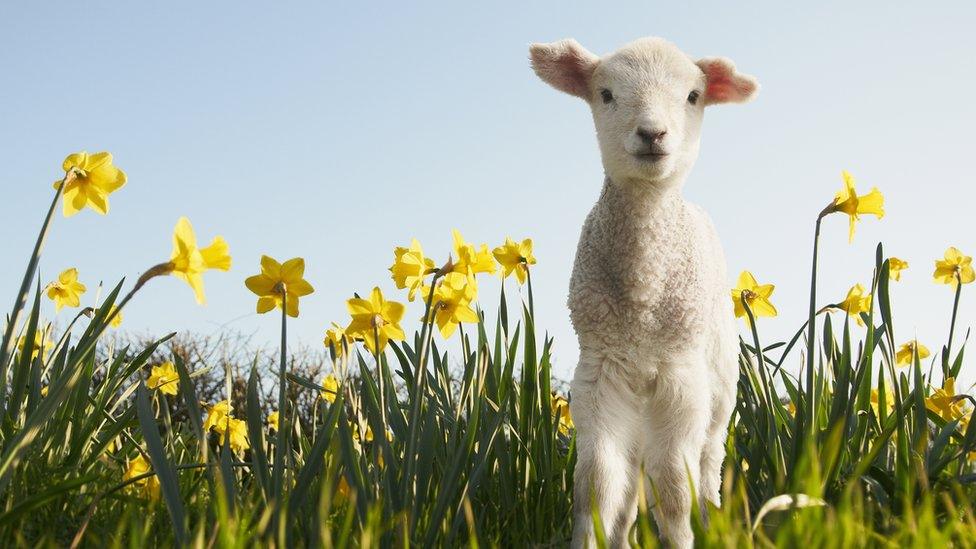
(648, 298)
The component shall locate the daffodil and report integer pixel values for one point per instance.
(148, 487)
(114, 315)
(943, 402)
(369, 433)
(342, 489)
(560, 410)
(848, 202)
(279, 282)
(469, 260)
(236, 429)
(273, 420)
(221, 420)
(90, 179)
(330, 388)
(755, 294)
(42, 344)
(856, 303)
(954, 268)
(908, 351)
(895, 267)
(164, 378)
(216, 415)
(375, 320)
(410, 267)
(189, 262)
(515, 257)
(876, 403)
(452, 302)
(66, 290)
(336, 339)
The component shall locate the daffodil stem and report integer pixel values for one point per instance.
(282, 434)
(426, 328)
(377, 355)
(952, 330)
(416, 404)
(812, 326)
(528, 279)
(8, 335)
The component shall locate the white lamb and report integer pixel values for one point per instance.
(649, 300)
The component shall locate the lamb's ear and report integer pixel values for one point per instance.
(725, 85)
(564, 65)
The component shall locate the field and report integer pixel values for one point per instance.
(399, 443)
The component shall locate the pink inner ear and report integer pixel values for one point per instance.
(565, 65)
(725, 85)
(573, 74)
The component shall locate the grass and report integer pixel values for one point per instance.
(852, 452)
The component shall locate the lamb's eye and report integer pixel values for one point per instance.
(693, 97)
(606, 95)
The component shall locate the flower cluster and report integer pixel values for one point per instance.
(955, 268)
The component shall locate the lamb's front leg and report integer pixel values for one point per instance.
(679, 414)
(606, 413)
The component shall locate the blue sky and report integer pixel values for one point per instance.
(336, 133)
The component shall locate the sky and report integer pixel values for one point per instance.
(335, 132)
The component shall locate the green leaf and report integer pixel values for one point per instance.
(164, 472)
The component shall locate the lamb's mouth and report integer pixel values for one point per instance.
(651, 156)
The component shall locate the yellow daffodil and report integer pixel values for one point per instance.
(115, 316)
(375, 320)
(216, 415)
(164, 378)
(560, 410)
(469, 260)
(755, 294)
(907, 352)
(66, 290)
(955, 267)
(148, 487)
(889, 402)
(336, 339)
(895, 267)
(369, 433)
(189, 262)
(515, 257)
(848, 202)
(342, 489)
(221, 420)
(42, 344)
(279, 282)
(791, 408)
(236, 429)
(410, 267)
(90, 179)
(452, 302)
(273, 421)
(330, 388)
(856, 303)
(943, 402)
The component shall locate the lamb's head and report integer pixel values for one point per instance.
(647, 99)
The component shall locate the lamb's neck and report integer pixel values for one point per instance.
(640, 206)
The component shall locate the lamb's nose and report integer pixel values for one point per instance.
(651, 136)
